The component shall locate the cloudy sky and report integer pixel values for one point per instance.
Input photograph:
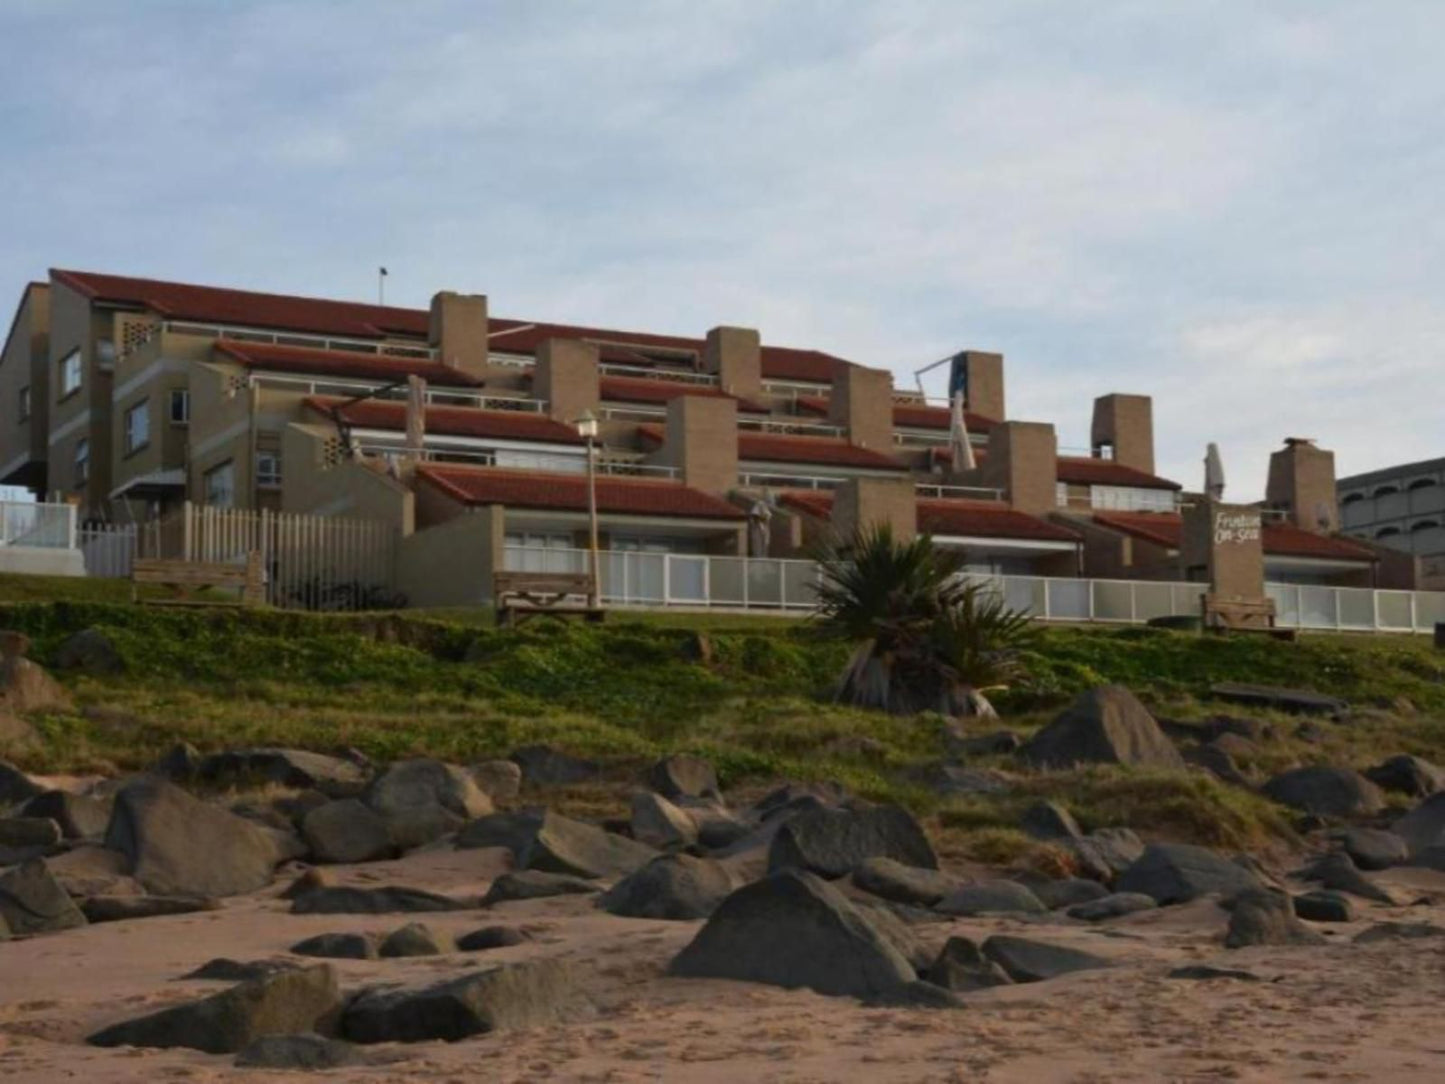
(1233, 207)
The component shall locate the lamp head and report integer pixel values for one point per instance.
(587, 426)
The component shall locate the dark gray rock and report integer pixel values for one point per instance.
(224, 1023)
(543, 766)
(991, 897)
(949, 780)
(180, 846)
(1112, 906)
(961, 967)
(1407, 775)
(522, 995)
(1026, 960)
(303, 1052)
(1280, 698)
(535, 884)
(835, 842)
(344, 900)
(1180, 872)
(224, 969)
(414, 939)
(1208, 973)
(1336, 870)
(994, 743)
(1217, 762)
(1324, 905)
(1106, 725)
(1373, 848)
(1398, 931)
(32, 901)
(79, 816)
(1431, 858)
(422, 800)
(564, 845)
(510, 830)
(658, 823)
(338, 946)
(16, 788)
(492, 937)
(1105, 853)
(179, 764)
(800, 798)
(347, 831)
(793, 929)
(1065, 892)
(1049, 821)
(1265, 916)
(308, 881)
(1423, 826)
(891, 880)
(675, 886)
(682, 776)
(500, 780)
(123, 908)
(286, 767)
(1326, 792)
(89, 651)
(21, 832)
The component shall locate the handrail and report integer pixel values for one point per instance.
(764, 480)
(435, 396)
(776, 425)
(643, 372)
(556, 462)
(942, 492)
(239, 333)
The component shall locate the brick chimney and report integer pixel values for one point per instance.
(458, 331)
(866, 502)
(702, 442)
(1023, 462)
(861, 403)
(1125, 425)
(983, 373)
(1302, 483)
(735, 355)
(566, 378)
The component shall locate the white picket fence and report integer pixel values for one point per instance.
(311, 562)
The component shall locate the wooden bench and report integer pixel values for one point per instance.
(185, 578)
(1224, 613)
(520, 595)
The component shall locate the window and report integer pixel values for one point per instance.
(82, 461)
(268, 468)
(1132, 499)
(543, 551)
(70, 373)
(180, 406)
(138, 426)
(25, 403)
(220, 488)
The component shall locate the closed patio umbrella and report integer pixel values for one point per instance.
(958, 437)
(1213, 472)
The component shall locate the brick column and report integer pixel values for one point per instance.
(1023, 462)
(566, 378)
(702, 442)
(862, 404)
(866, 502)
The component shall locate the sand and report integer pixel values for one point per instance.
(1338, 1012)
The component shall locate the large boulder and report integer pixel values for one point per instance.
(1180, 872)
(891, 880)
(286, 767)
(304, 1052)
(1048, 821)
(16, 787)
(543, 766)
(21, 832)
(1280, 698)
(224, 1023)
(1265, 916)
(536, 884)
(1326, 792)
(512, 830)
(991, 897)
(1025, 960)
(1324, 905)
(1408, 775)
(563, 845)
(500, 780)
(345, 900)
(674, 886)
(834, 842)
(424, 799)
(1373, 848)
(178, 845)
(793, 929)
(338, 946)
(1105, 853)
(1338, 871)
(682, 776)
(89, 651)
(124, 908)
(659, 823)
(1064, 892)
(347, 831)
(1112, 906)
(79, 816)
(961, 967)
(524, 995)
(1106, 725)
(414, 939)
(32, 901)
(1423, 826)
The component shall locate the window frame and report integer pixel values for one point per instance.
(268, 479)
(64, 365)
(182, 395)
(139, 409)
(80, 460)
(228, 465)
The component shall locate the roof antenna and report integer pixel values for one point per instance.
(381, 274)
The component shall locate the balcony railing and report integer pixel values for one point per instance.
(509, 459)
(643, 372)
(966, 493)
(434, 396)
(765, 480)
(46, 526)
(789, 427)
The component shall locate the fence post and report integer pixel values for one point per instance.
(186, 511)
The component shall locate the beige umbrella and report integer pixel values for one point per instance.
(958, 437)
(1213, 472)
(760, 518)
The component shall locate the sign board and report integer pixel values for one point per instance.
(1233, 526)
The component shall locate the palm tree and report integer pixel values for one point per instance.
(927, 638)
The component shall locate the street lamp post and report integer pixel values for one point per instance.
(587, 429)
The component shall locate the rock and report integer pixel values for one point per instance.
(79, 816)
(1398, 931)
(1297, 701)
(961, 967)
(224, 969)
(422, 800)
(1025, 960)
(833, 843)
(304, 1052)
(1207, 973)
(31, 901)
(89, 651)
(1431, 858)
(288, 1001)
(414, 939)
(122, 908)
(1423, 826)
(543, 766)
(682, 776)
(491, 937)
(180, 764)
(1048, 821)
(499, 780)
(1217, 763)
(347, 831)
(28, 832)
(563, 845)
(991, 897)
(717, 827)
(1234, 744)
(286, 767)
(1324, 906)
(535, 884)
(1180, 872)
(1106, 725)
(1407, 775)
(1373, 848)
(793, 929)
(344, 900)
(1265, 916)
(658, 823)
(892, 880)
(309, 881)
(994, 743)
(522, 995)
(674, 886)
(1326, 792)
(514, 831)
(16, 787)
(1336, 870)
(1065, 892)
(338, 946)
(950, 779)
(1105, 853)
(1112, 906)
(178, 845)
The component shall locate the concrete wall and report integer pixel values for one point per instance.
(1023, 462)
(451, 563)
(702, 442)
(735, 354)
(314, 480)
(83, 414)
(458, 330)
(866, 502)
(24, 364)
(567, 378)
(1126, 423)
(861, 402)
(985, 383)
(1302, 482)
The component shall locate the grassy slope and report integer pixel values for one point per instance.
(759, 708)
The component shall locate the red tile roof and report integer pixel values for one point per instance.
(910, 415)
(1086, 471)
(1279, 539)
(358, 366)
(958, 518)
(536, 489)
(452, 421)
(641, 389)
(788, 448)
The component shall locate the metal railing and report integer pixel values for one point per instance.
(973, 493)
(787, 426)
(434, 396)
(1121, 499)
(643, 372)
(763, 480)
(508, 459)
(45, 526)
(290, 338)
(1355, 609)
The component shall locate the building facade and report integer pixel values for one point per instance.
(1402, 508)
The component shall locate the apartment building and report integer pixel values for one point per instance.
(128, 396)
(1402, 508)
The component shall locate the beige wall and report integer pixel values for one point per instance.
(451, 563)
(1127, 423)
(1023, 462)
(24, 363)
(75, 324)
(985, 383)
(567, 378)
(315, 480)
(458, 330)
(866, 502)
(702, 442)
(861, 402)
(1302, 482)
(735, 354)
(1224, 542)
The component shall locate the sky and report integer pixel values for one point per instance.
(1233, 207)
